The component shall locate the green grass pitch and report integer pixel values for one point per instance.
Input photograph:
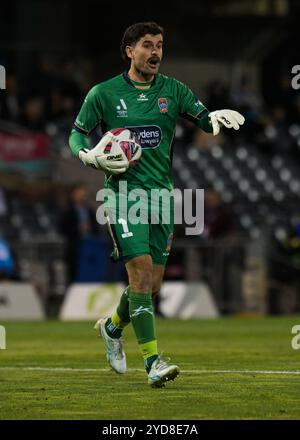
(232, 368)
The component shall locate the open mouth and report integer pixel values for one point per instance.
(153, 62)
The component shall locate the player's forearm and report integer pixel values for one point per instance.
(78, 141)
(204, 123)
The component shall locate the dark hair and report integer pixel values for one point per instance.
(136, 31)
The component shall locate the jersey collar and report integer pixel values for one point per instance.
(128, 80)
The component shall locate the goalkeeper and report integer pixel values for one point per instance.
(149, 104)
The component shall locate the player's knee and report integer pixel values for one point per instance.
(144, 281)
(141, 281)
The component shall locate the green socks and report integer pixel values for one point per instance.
(120, 318)
(123, 309)
(137, 308)
(143, 321)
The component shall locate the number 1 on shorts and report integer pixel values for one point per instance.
(126, 232)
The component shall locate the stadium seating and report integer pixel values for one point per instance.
(263, 191)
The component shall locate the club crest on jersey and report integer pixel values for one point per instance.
(163, 105)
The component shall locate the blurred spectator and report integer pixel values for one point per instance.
(277, 131)
(3, 204)
(245, 95)
(218, 218)
(77, 221)
(6, 261)
(290, 247)
(45, 82)
(33, 114)
(68, 85)
(284, 270)
(284, 97)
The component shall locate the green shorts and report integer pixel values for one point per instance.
(140, 228)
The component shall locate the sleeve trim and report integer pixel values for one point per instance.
(194, 118)
(79, 129)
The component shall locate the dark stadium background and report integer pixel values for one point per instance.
(233, 54)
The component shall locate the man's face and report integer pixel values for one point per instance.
(146, 54)
(79, 196)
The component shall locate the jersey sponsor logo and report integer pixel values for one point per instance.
(163, 105)
(122, 109)
(149, 136)
(142, 98)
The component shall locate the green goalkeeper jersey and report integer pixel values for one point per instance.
(151, 113)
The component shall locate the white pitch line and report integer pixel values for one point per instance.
(95, 370)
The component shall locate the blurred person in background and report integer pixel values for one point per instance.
(3, 203)
(6, 262)
(246, 96)
(219, 233)
(284, 270)
(77, 221)
(33, 114)
(218, 217)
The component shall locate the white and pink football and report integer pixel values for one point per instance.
(125, 143)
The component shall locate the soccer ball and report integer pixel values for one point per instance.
(125, 143)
